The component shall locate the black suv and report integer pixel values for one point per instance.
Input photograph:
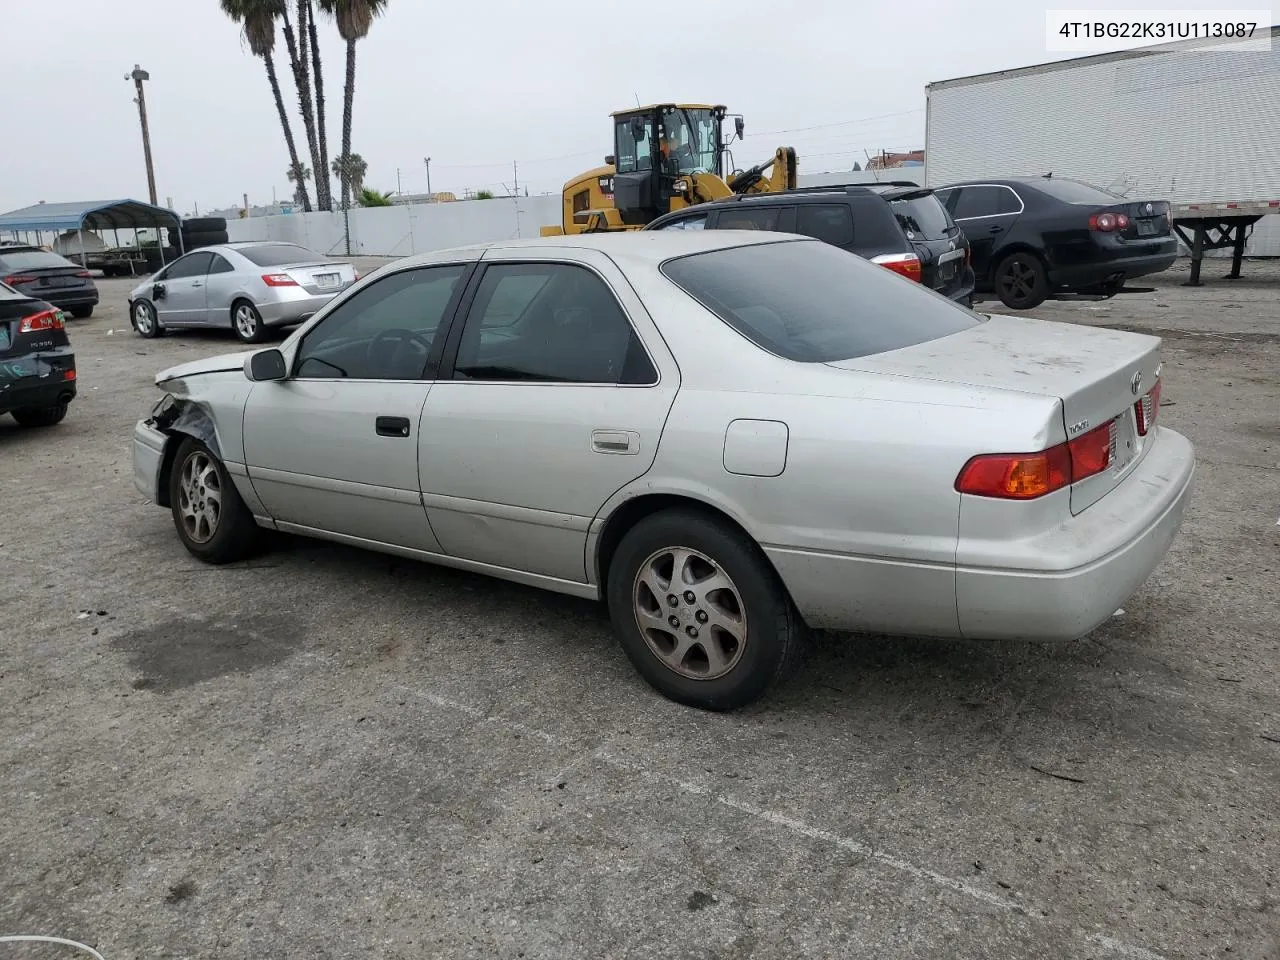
(899, 225)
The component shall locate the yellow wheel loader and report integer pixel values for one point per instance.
(666, 156)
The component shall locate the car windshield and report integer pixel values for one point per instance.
(31, 259)
(278, 254)
(1073, 191)
(815, 303)
(923, 218)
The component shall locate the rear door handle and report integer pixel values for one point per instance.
(392, 426)
(997, 229)
(624, 442)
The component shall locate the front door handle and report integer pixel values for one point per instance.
(625, 442)
(392, 426)
(996, 229)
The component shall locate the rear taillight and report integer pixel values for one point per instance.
(45, 320)
(1025, 476)
(18, 278)
(906, 264)
(279, 280)
(1107, 222)
(1147, 409)
(83, 273)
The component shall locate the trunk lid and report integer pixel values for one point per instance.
(1147, 218)
(1097, 374)
(327, 276)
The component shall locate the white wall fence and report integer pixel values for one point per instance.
(417, 228)
(403, 230)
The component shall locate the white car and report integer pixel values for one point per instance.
(726, 436)
(246, 287)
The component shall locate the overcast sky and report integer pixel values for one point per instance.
(476, 85)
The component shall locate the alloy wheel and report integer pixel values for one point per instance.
(246, 321)
(200, 497)
(690, 613)
(143, 318)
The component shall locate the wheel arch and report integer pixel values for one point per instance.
(190, 420)
(633, 510)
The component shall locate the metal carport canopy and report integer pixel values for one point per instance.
(90, 214)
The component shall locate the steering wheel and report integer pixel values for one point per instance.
(398, 334)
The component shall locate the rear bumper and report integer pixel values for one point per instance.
(1093, 562)
(286, 306)
(46, 384)
(1114, 264)
(148, 457)
(71, 298)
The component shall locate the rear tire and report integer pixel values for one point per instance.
(40, 416)
(1021, 281)
(212, 521)
(246, 321)
(740, 635)
(82, 313)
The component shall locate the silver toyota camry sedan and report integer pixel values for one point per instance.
(728, 438)
(246, 287)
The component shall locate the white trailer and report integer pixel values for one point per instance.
(1199, 128)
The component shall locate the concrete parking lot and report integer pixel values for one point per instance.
(330, 753)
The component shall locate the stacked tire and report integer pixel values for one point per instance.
(204, 232)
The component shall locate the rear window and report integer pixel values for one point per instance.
(1073, 191)
(278, 254)
(8, 293)
(31, 259)
(809, 301)
(923, 218)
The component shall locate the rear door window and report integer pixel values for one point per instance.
(809, 301)
(829, 222)
(986, 201)
(686, 223)
(759, 218)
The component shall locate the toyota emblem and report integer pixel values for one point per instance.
(1136, 383)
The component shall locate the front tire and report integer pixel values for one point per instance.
(700, 612)
(247, 322)
(41, 416)
(145, 321)
(212, 521)
(1021, 281)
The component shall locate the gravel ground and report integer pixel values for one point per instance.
(330, 753)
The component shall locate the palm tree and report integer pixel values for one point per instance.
(257, 19)
(354, 18)
(350, 170)
(374, 198)
(298, 175)
(321, 136)
(298, 62)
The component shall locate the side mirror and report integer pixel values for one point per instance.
(610, 160)
(739, 125)
(265, 365)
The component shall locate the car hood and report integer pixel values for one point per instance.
(223, 363)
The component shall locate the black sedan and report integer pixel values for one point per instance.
(37, 367)
(49, 277)
(1034, 237)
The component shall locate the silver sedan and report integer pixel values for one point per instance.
(729, 438)
(247, 287)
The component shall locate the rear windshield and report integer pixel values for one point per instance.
(1073, 191)
(31, 259)
(923, 218)
(278, 254)
(809, 301)
(8, 293)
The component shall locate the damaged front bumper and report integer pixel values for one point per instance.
(149, 440)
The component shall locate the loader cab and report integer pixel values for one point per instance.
(656, 145)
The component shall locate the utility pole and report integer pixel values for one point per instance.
(137, 77)
(399, 191)
(427, 161)
(515, 173)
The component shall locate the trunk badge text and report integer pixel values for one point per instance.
(1136, 383)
